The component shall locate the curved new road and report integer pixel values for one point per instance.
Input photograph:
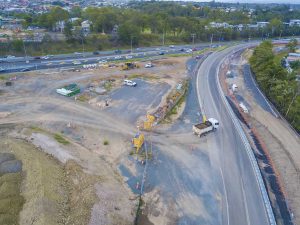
(244, 198)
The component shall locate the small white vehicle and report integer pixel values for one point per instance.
(103, 61)
(172, 46)
(129, 83)
(203, 128)
(76, 62)
(45, 57)
(128, 57)
(189, 50)
(118, 57)
(149, 65)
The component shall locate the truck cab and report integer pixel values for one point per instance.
(215, 123)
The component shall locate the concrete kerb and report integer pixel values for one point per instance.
(251, 156)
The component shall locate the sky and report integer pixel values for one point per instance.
(262, 1)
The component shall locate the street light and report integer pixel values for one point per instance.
(193, 36)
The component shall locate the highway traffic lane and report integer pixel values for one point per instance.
(243, 203)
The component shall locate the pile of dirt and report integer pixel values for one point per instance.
(54, 193)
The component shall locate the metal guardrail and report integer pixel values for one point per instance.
(250, 153)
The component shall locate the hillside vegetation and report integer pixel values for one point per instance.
(278, 85)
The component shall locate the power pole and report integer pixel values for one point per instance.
(163, 38)
(131, 43)
(193, 36)
(211, 39)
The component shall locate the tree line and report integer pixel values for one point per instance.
(279, 85)
(155, 20)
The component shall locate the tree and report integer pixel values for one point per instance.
(292, 45)
(128, 32)
(68, 31)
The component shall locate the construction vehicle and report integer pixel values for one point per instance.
(129, 66)
(138, 141)
(205, 127)
(148, 124)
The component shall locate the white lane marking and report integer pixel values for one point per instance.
(246, 206)
(225, 194)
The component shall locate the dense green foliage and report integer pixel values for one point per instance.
(278, 85)
(173, 20)
(155, 23)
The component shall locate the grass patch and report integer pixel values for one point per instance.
(108, 86)
(37, 129)
(3, 77)
(105, 142)
(59, 138)
(11, 202)
(82, 98)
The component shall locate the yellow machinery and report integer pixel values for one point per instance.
(138, 141)
(129, 66)
(148, 124)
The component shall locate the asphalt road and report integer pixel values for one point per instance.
(242, 201)
(20, 64)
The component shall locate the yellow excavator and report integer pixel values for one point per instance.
(129, 66)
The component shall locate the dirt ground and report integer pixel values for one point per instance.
(281, 141)
(74, 179)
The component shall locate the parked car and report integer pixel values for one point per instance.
(118, 51)
(128, 57)
(130, 83)
(96, 53)
(149, 65)
(37, 57)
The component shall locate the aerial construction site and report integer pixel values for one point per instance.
(146, 141)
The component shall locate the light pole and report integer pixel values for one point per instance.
(193, 36)
(211, 39)
(131, 37)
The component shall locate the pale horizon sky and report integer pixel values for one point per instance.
(258, 1)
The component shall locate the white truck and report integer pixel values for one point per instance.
(209, 125)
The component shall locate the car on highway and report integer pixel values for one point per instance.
(11, 57)
(161, 53)
(45, 57)
(24, 70)
(103, 61)
(76, 62)
(118, 57)
(130, 83)
(96, 53)
(188, 50)
(78, 53)
(157, 49)
(172, 46)
(2, 70)
(149, 65)
(128, 57)
(37, 57)
(118, 51)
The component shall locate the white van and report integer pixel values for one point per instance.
(129, 83)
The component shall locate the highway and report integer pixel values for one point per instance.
(21, 64)
(242, 197)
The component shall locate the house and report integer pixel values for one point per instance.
(59, 26)
(86, 26)
(262, 24)
(294, 23)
